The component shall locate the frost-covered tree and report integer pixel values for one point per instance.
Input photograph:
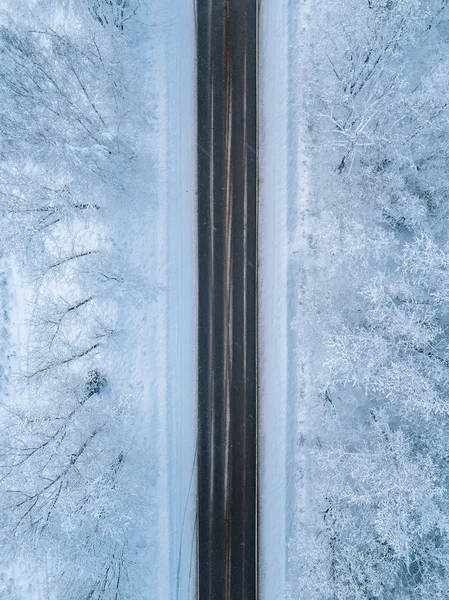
(377, 319)
(68, 488)
(62, 151)
(71, 471)
(113, 13)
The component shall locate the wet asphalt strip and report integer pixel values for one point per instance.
(227, 285)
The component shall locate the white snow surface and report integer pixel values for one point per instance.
(163, 242)
(283, 239)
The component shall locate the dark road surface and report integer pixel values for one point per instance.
(227, 251)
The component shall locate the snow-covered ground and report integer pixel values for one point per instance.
(274, 261)
(175, 22)
(161, 236)
(283, 242)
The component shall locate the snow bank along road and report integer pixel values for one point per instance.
(227, 258)
(283, 259)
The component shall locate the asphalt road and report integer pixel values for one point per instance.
(227, 341)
